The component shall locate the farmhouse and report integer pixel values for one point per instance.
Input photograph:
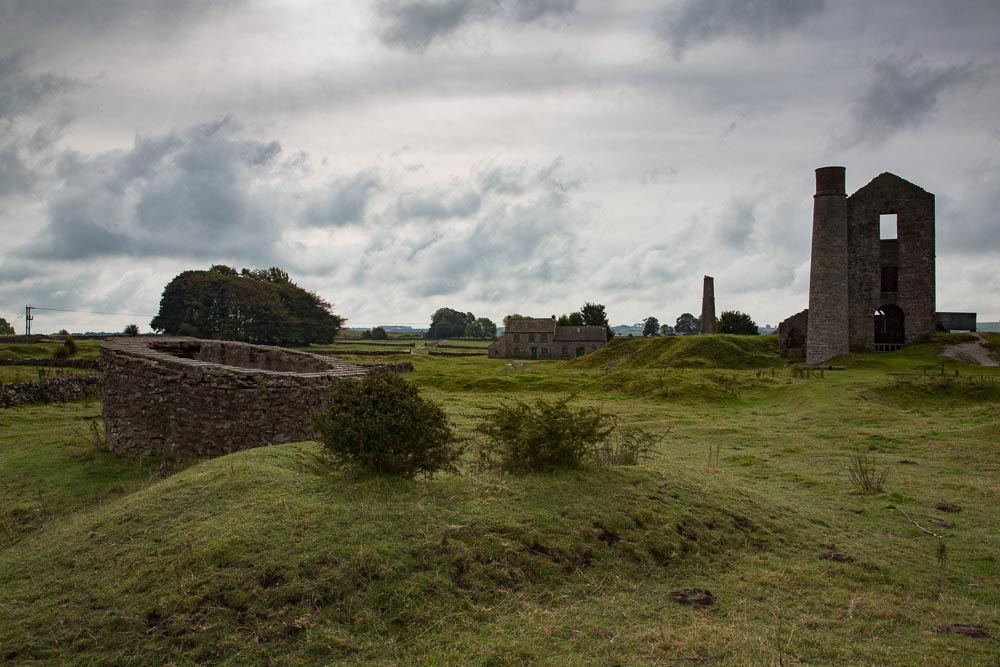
(541, 338)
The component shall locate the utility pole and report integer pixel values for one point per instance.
(27, 323)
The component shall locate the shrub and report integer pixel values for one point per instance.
(382, 424)
(517, 437)
(865, 475)
(70, 346)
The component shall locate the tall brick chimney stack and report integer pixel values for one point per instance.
(708, 324)
(828, 323)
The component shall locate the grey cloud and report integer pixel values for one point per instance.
(345, 201)
(508, 229)
(195, 193)
(902, 94)
(700, 21)
(438, 205)
(416, 24)
(526, 11)
(735, 226)
(15, 176)
(21, 92)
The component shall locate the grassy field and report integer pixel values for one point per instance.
(271, 556)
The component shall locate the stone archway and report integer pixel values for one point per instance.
(890, 327)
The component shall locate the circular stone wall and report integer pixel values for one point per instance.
(187, 398)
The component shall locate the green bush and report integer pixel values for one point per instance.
(517, 437)
(382, 424)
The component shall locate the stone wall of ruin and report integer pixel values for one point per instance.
(185, 398)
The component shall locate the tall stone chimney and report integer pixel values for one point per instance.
(708, 324)
(828, 323)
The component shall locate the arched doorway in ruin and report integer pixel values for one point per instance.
(890, 330)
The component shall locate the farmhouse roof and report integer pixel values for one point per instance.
(583, 333)
(531, 325)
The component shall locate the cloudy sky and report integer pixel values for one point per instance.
(493, 156)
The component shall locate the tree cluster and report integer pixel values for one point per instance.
(589, 315)
(735, 322)
(375, 333)
(5, 328)
(450, 323)
(687, 325)
(252, 305)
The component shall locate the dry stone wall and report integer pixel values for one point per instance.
(51, 390)
(186, 398)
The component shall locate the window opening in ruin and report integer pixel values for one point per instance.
(887, 227)
(889, 326)
(890, 278)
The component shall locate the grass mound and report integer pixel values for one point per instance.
(937, 391)
(267, 555)
(719, 351)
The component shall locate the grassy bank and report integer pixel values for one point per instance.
(271, 556)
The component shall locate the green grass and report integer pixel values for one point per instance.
(86, 349)
(272, 557)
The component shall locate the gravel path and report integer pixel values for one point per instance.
(971, 353)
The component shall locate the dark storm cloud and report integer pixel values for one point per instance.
(691, 22)
(193, 193)
(415, 24)
(901, 95)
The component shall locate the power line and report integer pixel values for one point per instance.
(88, 312)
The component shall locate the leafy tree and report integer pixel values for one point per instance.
(5, 328)
(378, 333)
(366, 334)
(735, 322)
(449, 323)
(594, 315)
(666, 330)
(481, 327)
(687, 324)
(651, 326)
(570, 320)
(255, 306)
(131, 330)
(382, 424)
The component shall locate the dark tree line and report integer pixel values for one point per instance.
(252, 305)
(450, 323)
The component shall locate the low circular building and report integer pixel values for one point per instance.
(187, 398)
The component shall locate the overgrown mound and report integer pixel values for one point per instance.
(937, 391)
(269, 555)
(717, 351)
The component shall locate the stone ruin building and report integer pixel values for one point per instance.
(186, 398)
(709, 325)
(542, 338)
(871, 287)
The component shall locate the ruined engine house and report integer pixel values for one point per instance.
(872, 278)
